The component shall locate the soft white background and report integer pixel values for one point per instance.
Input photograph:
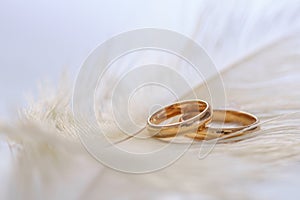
(39, 39)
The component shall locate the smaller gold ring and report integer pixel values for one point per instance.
(202, 116)
(246, 120)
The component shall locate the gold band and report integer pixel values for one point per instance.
(244, 119)
(202, 116)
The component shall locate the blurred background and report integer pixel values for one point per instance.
(40, 39)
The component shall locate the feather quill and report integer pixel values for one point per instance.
(259, 46)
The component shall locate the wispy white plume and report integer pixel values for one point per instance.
(259, 46)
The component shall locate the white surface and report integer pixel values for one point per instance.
(38, 39)
(41, 38)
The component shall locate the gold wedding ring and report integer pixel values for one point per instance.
(158, 126)
(198, 121)
(242, 120)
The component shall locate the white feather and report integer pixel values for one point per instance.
(260, 45)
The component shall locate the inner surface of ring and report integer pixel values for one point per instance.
(183, 108)
(227, 116)
(234, 116)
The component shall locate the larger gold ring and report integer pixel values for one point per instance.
(202, 116)
(245, 120)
